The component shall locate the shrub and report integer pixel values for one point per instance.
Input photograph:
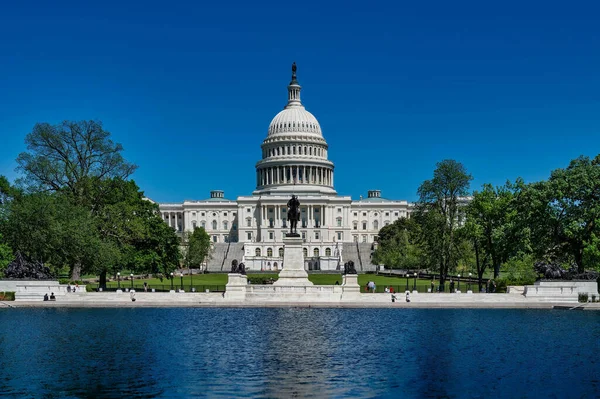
(583, 297)
(7, 296)
(64, 281)
(260, 280)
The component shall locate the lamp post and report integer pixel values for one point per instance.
(119, 280)
(131, 276)
(415, 283)
(172, 282)
(181, 275)
(469, 287)
(407, 277)
(459, 282)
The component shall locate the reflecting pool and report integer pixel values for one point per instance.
(299, 352)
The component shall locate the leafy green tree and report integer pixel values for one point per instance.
(6, 256)
(439, 213)
(66, 157)
(197, 248)
(399, 245)
(487, 217)
(131, 226)
(563, 214)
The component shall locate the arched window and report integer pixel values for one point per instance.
(225, 225)
(305, 252)
(387, 222)
(316, 252)
(249, 222)
(327, 251)
(275, 265)
(269, 252)
(281, 252)
(214, 224)
(194, 225)
(257, 252)
(203, 224)
(375, 225)
(355, 225)
(339, 222)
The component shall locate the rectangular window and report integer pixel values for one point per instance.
(396, 214)
(364, 213)
(355, 238)
(339, 234)
(316, 235)
(233, 214)
(364, 238)
(304, 235)
(248, 210)
(339, 222)
(214, 238)
(355, 213)
(224, 213)
(339, 210)
(249, 222)
(364, 225)
(271, 235)
(387, 214)
(202, 213)
(249, 235)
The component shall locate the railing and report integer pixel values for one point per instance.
(162, 287)
(401, 288)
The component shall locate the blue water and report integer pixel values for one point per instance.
(148, 353)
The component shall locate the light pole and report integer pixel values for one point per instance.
(181, 275)
(459, 282)
(119, 280)
(131, 276)
(469, 287)
(415, 283)
(407, 277)
(172, 282)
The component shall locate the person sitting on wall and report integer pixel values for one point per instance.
(45, 297)
(407, 296)
(69, 288)
(52, 297)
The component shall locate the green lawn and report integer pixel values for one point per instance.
(220, 279)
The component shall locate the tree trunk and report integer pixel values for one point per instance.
(76, 272)
(102, 282)
(578, 254)
(477, 264)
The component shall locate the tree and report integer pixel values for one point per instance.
(487, 218)
(439, 211)
(563, 214)
(6, 255)
(132, 225)
(65, 157)
(197, 248)
(399, 245)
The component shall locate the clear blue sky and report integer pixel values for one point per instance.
(508, 89)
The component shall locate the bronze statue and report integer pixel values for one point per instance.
(235, 268)
(349, 268)
(294, 69)
(293, 214)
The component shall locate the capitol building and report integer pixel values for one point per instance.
(294, 160)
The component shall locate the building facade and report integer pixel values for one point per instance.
(294, 161)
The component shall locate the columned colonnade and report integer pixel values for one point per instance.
(300, 174)
(173, 219)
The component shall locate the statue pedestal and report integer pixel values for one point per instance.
(236, 287)
(293, 273)
(351, 289)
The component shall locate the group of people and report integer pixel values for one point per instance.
(52, 297)
(75, 288)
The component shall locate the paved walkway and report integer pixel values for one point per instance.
(272, 304)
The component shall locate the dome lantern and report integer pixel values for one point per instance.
(294, 91)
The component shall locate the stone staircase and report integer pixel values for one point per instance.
(217, 257)
(236, 251)
(350, 253)
(365, 251)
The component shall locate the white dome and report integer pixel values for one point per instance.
(294, 120)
